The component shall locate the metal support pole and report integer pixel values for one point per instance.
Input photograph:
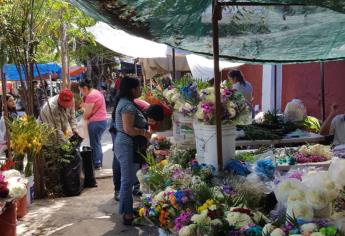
(51, 85)
(275, 89)
(216, 15)
(322, 76)
(174, 64)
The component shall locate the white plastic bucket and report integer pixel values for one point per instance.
(183, 131)
(198, 142)
(207, 143)
(30, 190)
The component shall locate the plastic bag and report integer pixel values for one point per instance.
(83, 128)
(72, 177)
(295, 111)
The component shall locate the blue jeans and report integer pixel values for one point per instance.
(96, 130)
(124, 153)
(117, 169)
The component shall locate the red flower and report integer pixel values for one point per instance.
(7, 165)
(3, 189)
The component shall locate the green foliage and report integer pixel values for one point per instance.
(202, 193)
(182, 157)
(42, 33)
(183, 82)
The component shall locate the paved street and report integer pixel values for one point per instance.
(92, 213)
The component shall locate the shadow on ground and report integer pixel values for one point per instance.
(92, 213)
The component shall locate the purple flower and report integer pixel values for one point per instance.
(182, 219)
(227, 189)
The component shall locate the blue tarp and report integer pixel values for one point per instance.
(11, 72)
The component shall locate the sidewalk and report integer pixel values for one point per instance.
(92, 213)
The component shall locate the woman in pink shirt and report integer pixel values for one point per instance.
(95, 113)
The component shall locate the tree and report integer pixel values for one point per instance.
(28, 29)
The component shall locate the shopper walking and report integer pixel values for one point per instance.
(129, 123)
(95, 114)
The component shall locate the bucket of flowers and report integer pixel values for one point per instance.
(234, 110)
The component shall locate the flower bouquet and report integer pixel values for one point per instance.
(184, 96)
(313, 153)
(28, 137)
(233, 106)
(12, 184)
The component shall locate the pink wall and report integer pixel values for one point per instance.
(253, 74)
(303, 81)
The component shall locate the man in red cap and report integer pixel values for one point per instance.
(60, 114)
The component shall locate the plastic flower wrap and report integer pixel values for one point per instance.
(337, 172)
(17, 187)
(189, 230)
(321, 180)
(309, 228)
(201, 219)
(277, 232)
(317, 199)
(285, 187)
(300, 210)
(11, 173)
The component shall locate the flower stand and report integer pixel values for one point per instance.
(8, 220)
(183, 130)
(22, 207)
(207, 143)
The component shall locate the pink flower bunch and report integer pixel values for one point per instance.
(208, 110)
(226, 95)
(301, 158)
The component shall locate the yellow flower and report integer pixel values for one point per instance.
(142, 212)
(163, 163)
(24, 118)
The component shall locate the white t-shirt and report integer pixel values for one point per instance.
(338, 129)
(246, 90)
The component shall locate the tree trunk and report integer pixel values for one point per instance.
(8, 134)
(64, 56)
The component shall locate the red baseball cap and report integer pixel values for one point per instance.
(66, 98)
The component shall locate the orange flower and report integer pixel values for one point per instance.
(172, 199)
(163, 218)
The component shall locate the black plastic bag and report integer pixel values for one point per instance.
(90, 180)
(72, 176)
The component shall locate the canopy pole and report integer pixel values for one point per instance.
(51, 85)
(216, 16)
(275, 90)
(322, 76)
(174, 64)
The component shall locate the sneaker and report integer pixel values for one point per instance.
(117, 196)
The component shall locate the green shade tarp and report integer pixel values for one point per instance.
(272, 34)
